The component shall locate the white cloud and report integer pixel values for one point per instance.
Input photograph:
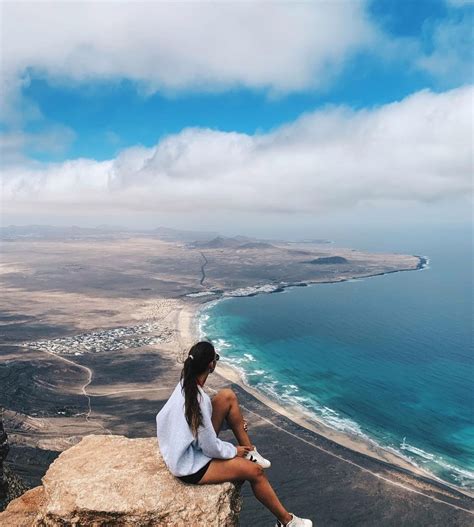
(416, 150)
(277, 46)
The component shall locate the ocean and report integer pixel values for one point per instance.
(389, 358)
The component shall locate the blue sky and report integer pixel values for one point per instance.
(111, 90)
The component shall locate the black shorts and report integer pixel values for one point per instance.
(197, 476)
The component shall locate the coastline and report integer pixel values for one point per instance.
(423, 263)
(187, 324)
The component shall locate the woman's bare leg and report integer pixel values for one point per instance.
(221, 470)
(225, 405)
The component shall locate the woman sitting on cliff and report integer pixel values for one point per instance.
(187, 428)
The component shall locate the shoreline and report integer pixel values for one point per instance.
(187, 323)
(423, 263)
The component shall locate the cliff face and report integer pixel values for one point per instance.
(112, 480)
(10, 485)
(3, 454)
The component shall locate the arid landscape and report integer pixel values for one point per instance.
(94, 325)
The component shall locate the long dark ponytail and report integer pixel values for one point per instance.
(197, 361)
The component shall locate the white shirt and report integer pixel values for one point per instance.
(183, 453)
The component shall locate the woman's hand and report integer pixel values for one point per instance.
(243, 450)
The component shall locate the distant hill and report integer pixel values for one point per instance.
(242, 239)
(256, 245)
(219, 242)
(236, 242)
(328, 260)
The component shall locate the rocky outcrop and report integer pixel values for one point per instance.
(10, 485)
(112, 480)
(23, 511)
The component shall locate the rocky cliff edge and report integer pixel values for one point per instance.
(112, 480)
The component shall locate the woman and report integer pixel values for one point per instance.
(187, 429)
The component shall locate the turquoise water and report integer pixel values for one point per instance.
(389, 357)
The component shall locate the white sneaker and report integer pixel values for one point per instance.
(254, 456)
(295, 522)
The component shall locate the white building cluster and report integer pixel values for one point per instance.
(107, 340)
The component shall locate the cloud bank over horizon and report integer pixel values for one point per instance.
(415, 150)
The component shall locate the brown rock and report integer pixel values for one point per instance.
(112, 480)
(22, 511)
